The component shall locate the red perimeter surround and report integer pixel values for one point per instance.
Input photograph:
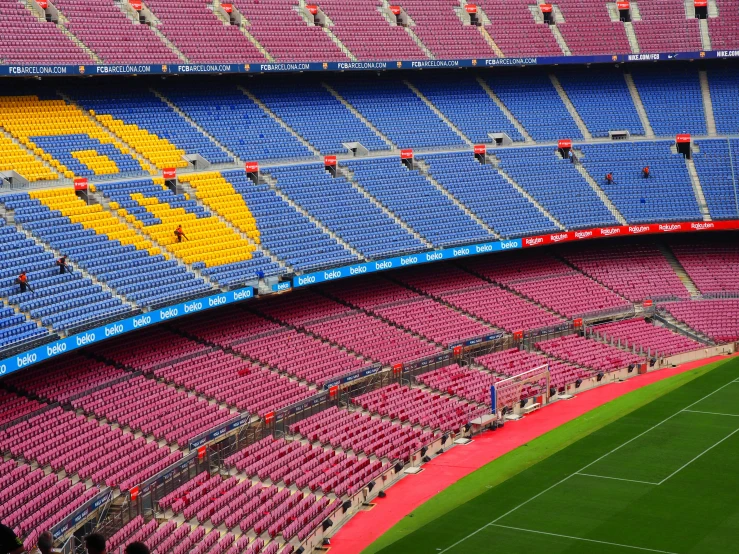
(413, 490)
(630, 230)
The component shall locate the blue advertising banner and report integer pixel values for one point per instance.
(282, 287)
(81, 513)
(404, 261)
(219, 431)
(92, 336)
(350, 377)
(291, 67)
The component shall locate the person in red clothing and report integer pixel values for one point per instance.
(22, 281)
(645, 172)
(63, 267)
(609, 178)
(179, 233)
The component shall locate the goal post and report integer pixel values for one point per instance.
(507, 392)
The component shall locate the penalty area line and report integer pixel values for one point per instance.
(509, 512)
(581, 539)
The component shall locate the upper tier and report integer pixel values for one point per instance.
(302, 220)
(161, 32)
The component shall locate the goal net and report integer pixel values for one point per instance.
(508, 392)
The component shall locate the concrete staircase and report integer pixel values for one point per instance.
(133, 16)
(61, 24)
(602, 195)
(243, 27)
(272, 183)
(358, 115)
(438, 112)
(679, 270)
(348, 174)
(707, 103)
(570, 107)
(496, 164)
(503, 108)
(195, 124)
(279, 121)
(491, 42)
(628, 26)
(631, 36)
(559, 18)
(384, 9)
(639, 105)
(705, 34)
(698, 190)
(423, 168)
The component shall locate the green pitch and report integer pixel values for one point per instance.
(654, 471)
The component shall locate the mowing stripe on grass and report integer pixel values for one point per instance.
(579, 538)
(525, 502)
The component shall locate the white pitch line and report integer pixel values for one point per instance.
(698, 456)
(711, 413)
(447, 549)
(616, 478)
(580, 539)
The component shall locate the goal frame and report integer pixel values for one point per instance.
(507, 392)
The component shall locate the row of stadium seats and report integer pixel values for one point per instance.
(276, 30)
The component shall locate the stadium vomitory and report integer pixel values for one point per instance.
(282, 277)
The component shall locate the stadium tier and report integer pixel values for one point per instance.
(250, 31)
(168, 373)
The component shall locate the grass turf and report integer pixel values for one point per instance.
(660, 479)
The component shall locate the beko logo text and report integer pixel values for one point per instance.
(168, 313)
(433, 257)
(3, 369)
(197, 306)
(216, 301)
(508, 244)
(559, 237)
(461, 252)
(410, 260)
(638, 229)
(283, 286)
(244, 294)
(583, 234)
(23, 361)
(532, 242)
(357, 269)
(113, 330)
(54, 349)
(307, 280)
(484, 248)
(328, 275)
(141, 321)
(383, 265)
(87, 338)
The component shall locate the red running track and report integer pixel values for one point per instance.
(441, 472)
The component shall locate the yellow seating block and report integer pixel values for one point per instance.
(219, 195)
(210, 240)
(90, 216)
(100, 164)
(28, 116)
(159, 151)
(13, 157)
